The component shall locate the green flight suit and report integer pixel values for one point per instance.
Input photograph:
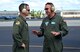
(53, 43)
(20, 35)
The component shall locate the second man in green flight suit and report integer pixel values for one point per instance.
(53, 28)
(20, 30)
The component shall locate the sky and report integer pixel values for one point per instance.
(12, 5)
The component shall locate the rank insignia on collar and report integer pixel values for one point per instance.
(17, 23)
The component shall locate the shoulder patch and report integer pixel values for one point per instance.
(17, 23)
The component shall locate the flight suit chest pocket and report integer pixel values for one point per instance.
(50, 25)
(53, 24)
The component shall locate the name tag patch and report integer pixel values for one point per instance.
(52, 22)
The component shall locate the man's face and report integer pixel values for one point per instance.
(27, 11)
(48, 9)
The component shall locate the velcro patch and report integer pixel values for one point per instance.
(17, 23)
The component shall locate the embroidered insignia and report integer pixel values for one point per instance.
(52, 22)
(17, 23)
(46, 23)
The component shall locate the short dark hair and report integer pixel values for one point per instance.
(52, 6)
(49, 3)
(21, 6)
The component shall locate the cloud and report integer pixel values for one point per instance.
(36, 4)
(5, 1)
(39, 4)
(74, 2)
(9, 5)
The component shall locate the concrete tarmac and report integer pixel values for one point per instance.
(71, 41)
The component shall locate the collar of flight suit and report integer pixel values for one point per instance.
(22, 18)
(53, 17)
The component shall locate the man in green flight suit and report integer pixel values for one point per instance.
(53, 28)
(20, 30)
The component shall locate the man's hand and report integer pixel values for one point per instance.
(55, 33)
(36, 32)
(23, 45)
